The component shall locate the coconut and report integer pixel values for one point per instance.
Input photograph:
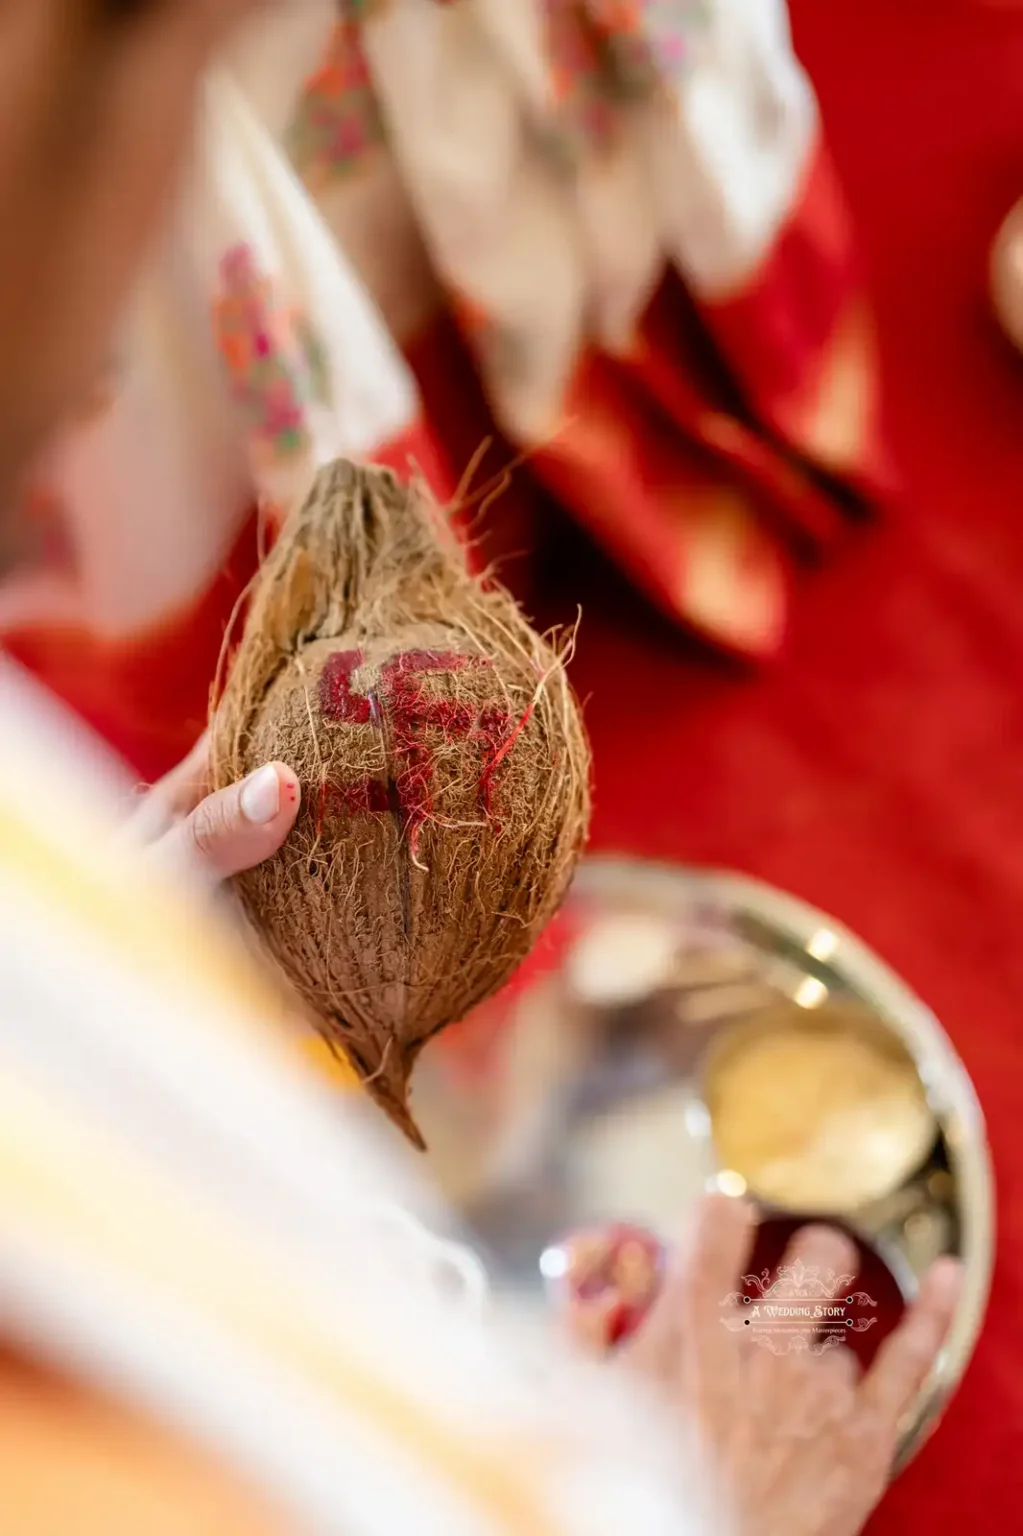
(444, 770)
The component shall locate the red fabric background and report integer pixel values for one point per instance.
(877, 768)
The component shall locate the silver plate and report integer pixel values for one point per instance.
(579, 1108)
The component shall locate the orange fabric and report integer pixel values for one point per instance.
(74, 1463)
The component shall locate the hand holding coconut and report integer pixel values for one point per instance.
(210, 837)
(443, 765)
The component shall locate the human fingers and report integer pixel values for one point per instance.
(588, 1323)
(828, 1261)
(827, 1253)
(96, 108)
(180, 791)
(156, 807)
(236, 828)
(689, 1321)
(907, 1355)
(794, 1383)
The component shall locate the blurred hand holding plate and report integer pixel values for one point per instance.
(686, 1030)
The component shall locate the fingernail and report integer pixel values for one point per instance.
(260, 796)
(946, 1274)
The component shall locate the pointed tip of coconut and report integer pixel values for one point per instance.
(399, 1113)
(388, 1085)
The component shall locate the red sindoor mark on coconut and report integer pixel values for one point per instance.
(410, 713)
(337, 701)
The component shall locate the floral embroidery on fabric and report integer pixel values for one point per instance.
(273, 356)
(602, 53)
(581, 85)
(649, 40)
(338, 120)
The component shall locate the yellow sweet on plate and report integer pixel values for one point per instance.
(817, 1115)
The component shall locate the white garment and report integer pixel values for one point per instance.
(191, 1222)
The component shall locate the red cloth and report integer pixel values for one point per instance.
(876, 769)
(733, 439)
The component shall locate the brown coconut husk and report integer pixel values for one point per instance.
(443, 763)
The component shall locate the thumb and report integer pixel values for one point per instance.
(238, 827)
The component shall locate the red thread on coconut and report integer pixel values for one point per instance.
(337, 701)
(486, 784)
(410, 713)
(366, 797)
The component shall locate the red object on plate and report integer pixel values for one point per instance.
(881, 1301)
(606, 1279)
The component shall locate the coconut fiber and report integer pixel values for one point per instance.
(443, 763)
